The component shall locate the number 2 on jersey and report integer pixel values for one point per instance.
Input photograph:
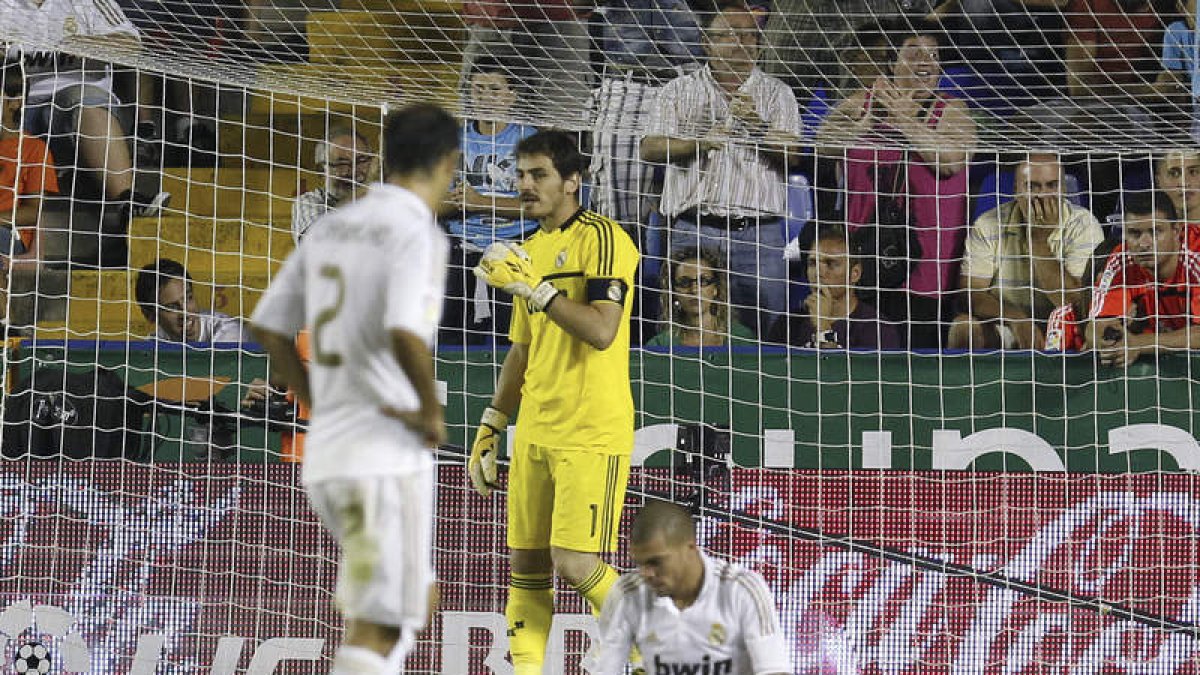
(320, 355)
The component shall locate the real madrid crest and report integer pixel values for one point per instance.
(561, 258)
(70, 25)
(716, 635)
(615, 293)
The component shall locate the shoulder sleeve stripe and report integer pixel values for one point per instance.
(604, 236)
(762, 600)
(1114, 264)
(112, 14)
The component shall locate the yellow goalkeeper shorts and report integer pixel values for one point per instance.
(568, 499)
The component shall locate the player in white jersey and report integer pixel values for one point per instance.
(368, 284)
(687, 613)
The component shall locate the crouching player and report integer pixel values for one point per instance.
(684, 611)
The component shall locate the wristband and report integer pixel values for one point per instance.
(494, 419)
(542, 296)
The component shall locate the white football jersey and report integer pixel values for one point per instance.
(375, 265)
(731, 629)
(45, 25)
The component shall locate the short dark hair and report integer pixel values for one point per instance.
(902, 30)
(835, 231)
(1147, 203)
(13, 78)
(721, 7)
(489, 64)
(658, 517)
(153, 277)
(416, 138)
(561, 147)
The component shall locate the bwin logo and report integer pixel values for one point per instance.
(47, 620)
(706, 667)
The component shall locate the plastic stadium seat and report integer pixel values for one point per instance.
(799, 205)
(800, 213)
(997, 188)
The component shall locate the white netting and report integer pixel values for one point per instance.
(908, 506)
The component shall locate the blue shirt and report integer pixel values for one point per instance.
(1179, 52)
(490, 166)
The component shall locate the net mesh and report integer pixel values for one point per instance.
(922, 490)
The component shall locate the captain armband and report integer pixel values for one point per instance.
(612, 290)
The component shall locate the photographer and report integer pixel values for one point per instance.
(164, 293)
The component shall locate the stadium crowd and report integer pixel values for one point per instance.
(703, 116)
(731, 140)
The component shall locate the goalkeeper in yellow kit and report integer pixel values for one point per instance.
(568, 370)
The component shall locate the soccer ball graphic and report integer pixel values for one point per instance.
(32, 657)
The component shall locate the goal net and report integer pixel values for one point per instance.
(911, 330)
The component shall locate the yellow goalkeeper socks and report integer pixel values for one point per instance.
(595, 587)
(529, 611)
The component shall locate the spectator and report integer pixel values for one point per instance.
(483, 206)
(1147, 297)
(26, 174)
(695, 303)
(808, 40)
(835, 317)
(1111, 51)
(1177, 173)
(1179, 81)
(725, 132)
(1023, 259)
(906, 167)
(72, 96)
(183, 112)
(646, 43)
(547, 44)
(865, 60)
(164, 294)
(1111, 62)
(346, 161)
(1015, 46)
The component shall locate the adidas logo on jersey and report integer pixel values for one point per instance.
(706, 667)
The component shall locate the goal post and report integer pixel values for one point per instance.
(925, 487)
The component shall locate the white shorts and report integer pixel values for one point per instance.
(384, 526)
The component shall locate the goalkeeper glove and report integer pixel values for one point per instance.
(482, 465)
(506, 266)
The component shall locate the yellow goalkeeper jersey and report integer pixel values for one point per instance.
(576, 397)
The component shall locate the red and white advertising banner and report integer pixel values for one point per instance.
(123, 569)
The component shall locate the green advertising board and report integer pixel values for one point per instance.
(834, 410)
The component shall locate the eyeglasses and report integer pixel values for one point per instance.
(345, 166)
(689, 283)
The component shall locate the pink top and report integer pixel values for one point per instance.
(938, 206)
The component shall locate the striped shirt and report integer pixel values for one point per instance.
(306, 210)
(736, 180)
(43, 26)
(732, 628)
